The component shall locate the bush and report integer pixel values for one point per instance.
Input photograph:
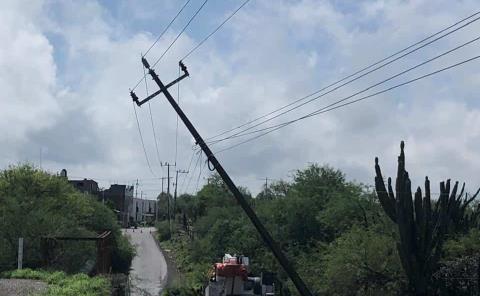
(362, 260)
(122, 255)
(162, 231)
(35, 204)
(181, 290)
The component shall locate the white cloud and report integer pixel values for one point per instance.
(27, 76)
(264, 58)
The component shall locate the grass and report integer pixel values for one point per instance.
(61, 284)
(192, 275)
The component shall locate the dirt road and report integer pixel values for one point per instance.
(149, 268)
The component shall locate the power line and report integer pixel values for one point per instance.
(200, 172)
(214, 31)
(243, 133)
(151, 120)
(167, 27)
(346, 83)
(181, 32)
(193, 172)
(330, 107)
(354, 74)
(188, 169)
(141, 139)
(174, 40)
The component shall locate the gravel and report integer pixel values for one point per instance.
(21, 287)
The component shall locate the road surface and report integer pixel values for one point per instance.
(149, 269)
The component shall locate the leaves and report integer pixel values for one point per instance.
(37, 204)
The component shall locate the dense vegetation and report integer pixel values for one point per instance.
(336, 232)
(60, 284)
(35, 204)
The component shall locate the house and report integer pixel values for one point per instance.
(86, 186)
(121, 196)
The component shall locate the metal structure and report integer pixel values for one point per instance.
(103, 242)
(267, 238)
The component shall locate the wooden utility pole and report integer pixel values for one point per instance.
(266, 186)
(162, 178)
(175, 194)
(267, 238)
(142, 212)
(168, 165)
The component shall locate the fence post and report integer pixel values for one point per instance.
(20, 253)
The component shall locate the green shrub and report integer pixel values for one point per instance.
(35, 204)
(61, 284)
(122, 255)
(163, 231)
(181, 290)
(364, 261)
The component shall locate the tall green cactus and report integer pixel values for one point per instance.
(422, 223)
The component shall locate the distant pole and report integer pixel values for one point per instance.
(175, 196)
(142, 208)
(162, 183)
(136, 189)
(20, 253)
(168, 198)
(266, 185)
(156, 210)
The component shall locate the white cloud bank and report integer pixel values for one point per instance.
(67, 67)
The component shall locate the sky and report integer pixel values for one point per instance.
(66, 68)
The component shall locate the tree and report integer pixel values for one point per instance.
(362, 262)
(34, 204)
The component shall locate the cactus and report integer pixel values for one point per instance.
(423, 224)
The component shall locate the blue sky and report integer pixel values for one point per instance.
(68, 65)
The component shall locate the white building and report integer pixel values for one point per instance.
(143, 210)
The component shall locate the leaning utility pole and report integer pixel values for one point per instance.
(289, 269)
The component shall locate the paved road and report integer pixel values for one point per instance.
(149, 268)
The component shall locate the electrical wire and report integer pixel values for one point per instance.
(181, 32)
(356, 73)
(243, 133)
(167, 27)
(173, 42)
(214, 31)
(188, 170)
(141, 139)
(151, 120)
(200, 171)
(331, 107)
(193, 172)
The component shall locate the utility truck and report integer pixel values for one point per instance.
(231, 277)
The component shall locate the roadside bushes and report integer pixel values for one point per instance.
(122, 254)
(163, 231)
(60, 284)
(34, 203)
